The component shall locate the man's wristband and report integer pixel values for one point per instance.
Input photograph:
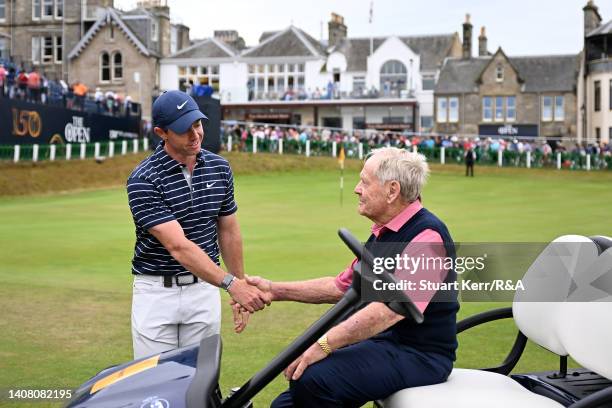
(324, 344)
(227, 281)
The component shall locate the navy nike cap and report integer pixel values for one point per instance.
(175, 110)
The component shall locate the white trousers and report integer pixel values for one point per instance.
(168, 318)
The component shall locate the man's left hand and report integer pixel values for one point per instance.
(310, 356)
(241, 316)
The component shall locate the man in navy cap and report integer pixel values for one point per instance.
(182, 202)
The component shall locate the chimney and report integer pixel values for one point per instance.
(592, 19)
(467, 38)
(162, 13)
(482, 43)
(336, 29)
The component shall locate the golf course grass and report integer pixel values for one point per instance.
(65, 285)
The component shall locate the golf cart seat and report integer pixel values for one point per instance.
(573, 277)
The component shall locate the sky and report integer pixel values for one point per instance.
(520, 27)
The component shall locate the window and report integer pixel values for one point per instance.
(59, 9)
(154, 30)
(597, 135)
(111, 31)
(453, 109)
(105, 67)
(610, 133)
(47, 50)
(271, 81)
(553, 108)
(429, 83)
(47, 9)
(610, 98)
(499, 73)
(442, 110)
(426, 122)
(36, 50)
(201, 75)
(547, 111)
(393, 78)
(487, 108)
(359, 122)
(559, 108)
(117, 66)
(359, 85)
(499, 108)
(59, 51)
(597, 95)
(36, 9)
(510, 108)
(2, 9)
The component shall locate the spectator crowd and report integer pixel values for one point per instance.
(243, 134)
(33, 86)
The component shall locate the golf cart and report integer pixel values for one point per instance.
(574, 273)
(188, 377)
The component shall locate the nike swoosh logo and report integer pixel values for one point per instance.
(210, 185)
(179, 107)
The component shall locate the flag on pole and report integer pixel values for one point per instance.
(371, 12)
(341, 157)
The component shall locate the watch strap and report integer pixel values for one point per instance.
(227, 281)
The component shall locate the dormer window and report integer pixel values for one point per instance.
(499, 73)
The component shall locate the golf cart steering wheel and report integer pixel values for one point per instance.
(405, 306)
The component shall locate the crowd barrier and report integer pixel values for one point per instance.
(308, 148)
(71, 151)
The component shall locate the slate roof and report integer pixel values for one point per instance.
(209, 48)
(291, 42)
(109, 16)
(265, 35)
(543, 73)
(601, 30)
(431, 48)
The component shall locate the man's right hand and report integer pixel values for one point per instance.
(248, 296)
(265, 285)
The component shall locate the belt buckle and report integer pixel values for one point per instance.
(178, 283)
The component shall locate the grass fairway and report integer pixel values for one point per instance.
(65, 286)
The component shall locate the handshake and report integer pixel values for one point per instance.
(249, 295)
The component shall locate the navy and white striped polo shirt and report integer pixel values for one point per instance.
(158, 192)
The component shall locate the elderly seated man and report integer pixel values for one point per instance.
(376, 351)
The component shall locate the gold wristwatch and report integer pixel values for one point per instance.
(324, 344)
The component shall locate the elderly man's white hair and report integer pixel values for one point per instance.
(409, 169)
